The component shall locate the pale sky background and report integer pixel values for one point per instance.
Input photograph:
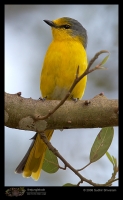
(26, 40)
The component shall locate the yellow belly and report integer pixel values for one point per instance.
(59, 69)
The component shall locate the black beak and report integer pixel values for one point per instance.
(50, 23)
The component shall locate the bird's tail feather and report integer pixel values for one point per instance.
(32, 162)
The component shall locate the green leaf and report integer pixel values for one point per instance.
(114, 160)
(101, 143)
(110, 157)
(104, 60)
(50, 164)
(69, 184)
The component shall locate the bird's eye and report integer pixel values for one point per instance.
(66, 26)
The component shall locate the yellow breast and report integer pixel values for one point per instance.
(59, 69)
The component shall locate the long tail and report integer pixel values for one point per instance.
(32, 162)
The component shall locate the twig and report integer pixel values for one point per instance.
(55, 151)
(77, 79)
(84, 167)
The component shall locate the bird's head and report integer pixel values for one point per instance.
(66, 28)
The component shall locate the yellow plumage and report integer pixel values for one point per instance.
(65, 53)
(60, 67)
(36, 157)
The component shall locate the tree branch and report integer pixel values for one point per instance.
(21, 113)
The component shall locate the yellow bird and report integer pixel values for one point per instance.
(66, 52)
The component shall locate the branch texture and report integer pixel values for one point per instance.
(23, 113)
